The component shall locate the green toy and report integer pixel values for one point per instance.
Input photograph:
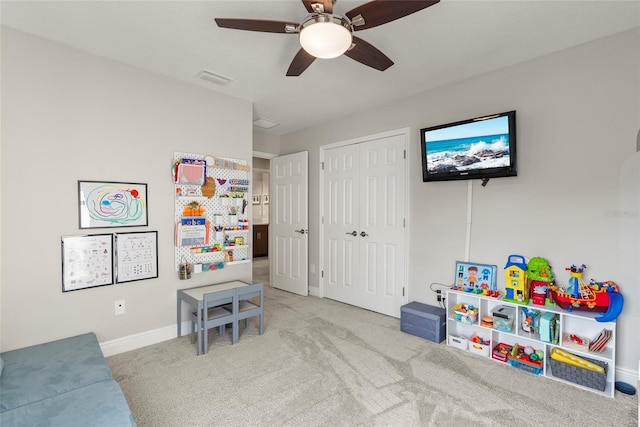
(538, 269)
(540, 276)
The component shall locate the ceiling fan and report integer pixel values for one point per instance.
(323, 34)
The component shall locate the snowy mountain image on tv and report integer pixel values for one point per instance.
(477, 145)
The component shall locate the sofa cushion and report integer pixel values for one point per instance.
(41, 371)
(96, 405)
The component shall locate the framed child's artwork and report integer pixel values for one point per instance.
(87, 261)
(112, 204)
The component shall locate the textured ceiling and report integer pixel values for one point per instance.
(448, 42)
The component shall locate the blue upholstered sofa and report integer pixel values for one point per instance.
(60, 383)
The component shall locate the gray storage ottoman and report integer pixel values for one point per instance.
(424, 321)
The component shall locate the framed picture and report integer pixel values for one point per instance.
(136, 256)
(87, 261)
(112, 204)
(256, 200)
(266, 199)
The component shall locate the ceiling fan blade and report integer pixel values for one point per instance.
(365, 53)
(327, 4)
(380, 12)
(300, 62)
(257, 25)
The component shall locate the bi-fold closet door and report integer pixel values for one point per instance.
(364, 220)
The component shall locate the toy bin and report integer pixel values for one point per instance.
(503, 318)
(458, 342)
(523, 362)
(501, 351)
(424, 321)
(525, 365)
(578, 375)
(479, 346)
(466, 313)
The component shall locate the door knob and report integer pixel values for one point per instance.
(353, 233)
(363, 234)
(301, 231)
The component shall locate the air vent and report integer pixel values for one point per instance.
(264, 123)
(214, 78)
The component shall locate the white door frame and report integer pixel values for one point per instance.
(268, 156)
(406, 132)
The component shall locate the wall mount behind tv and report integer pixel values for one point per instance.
(479, 148)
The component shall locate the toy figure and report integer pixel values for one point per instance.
(473, 272)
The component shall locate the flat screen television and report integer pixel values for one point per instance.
(479, 148)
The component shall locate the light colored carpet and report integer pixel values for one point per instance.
(323, 363)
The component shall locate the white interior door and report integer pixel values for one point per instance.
(364, 214)
(382, 216)
(288, 242)
(341, 224)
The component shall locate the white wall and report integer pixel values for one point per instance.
(69, 116)
(575, 200)
(265, 142)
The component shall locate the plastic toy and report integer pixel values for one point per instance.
(530, 320)
(476, 278)
(526, 358)
(516, 284)
(465, 313)
(547, 327)
(540, 276)
(566, 357)
(602, 297)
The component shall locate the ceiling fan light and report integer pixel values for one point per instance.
(325, 36)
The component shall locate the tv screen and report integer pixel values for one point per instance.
(479, 148)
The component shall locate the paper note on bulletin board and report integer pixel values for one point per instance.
(136, 256)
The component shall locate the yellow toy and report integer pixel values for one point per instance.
(572, 359)
(516, 283)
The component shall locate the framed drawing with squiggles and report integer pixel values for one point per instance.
(112, 204)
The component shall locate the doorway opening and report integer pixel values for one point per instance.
(260, 216)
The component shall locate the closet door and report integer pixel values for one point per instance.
(341, 224)
(382, 220)
(364, 217)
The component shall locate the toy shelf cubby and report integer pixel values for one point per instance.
(570, 328)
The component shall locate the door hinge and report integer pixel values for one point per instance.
(402, 291)
(404, 223)
(322, 220)
(322, 165)
(322, 274)
(404, 154)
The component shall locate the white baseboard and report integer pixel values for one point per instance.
(628, 376)
(136, 341)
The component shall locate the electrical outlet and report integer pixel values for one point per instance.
(120, 308)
